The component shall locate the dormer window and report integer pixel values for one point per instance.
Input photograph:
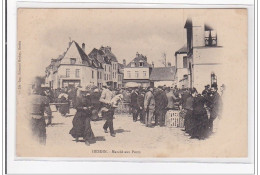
(72, 60)
(141, 64)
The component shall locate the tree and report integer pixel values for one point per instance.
(164, 59)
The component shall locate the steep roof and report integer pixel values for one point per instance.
(137, 59)
(103, 55)
(182, 50)
(163, 74)
(83, 55)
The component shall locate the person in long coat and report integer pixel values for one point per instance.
(81, 120)
(140, 102)
(215, 106)
(38, 105)
(161, 103)
(199, 126)
(134, 104)
(187, 105)
(149, 107)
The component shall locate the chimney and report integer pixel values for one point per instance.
(83, 47)
(124, 62)
(137, 54)
(169, 64)
(152, 64)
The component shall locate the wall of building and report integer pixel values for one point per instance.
(107, 73)
(202, 75)
(207, 60)
(132, 72)
(208, 55)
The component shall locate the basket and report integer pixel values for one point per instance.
(173, 119)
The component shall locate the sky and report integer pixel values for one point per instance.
(45, 33)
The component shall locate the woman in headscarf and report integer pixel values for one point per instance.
(81, 120)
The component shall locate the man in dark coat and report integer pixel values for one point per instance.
(134, 104)
(140, 102)
(161, 103)
(38, 105)
(215, 106)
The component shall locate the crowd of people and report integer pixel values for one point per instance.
(198, 110)
(148, 105)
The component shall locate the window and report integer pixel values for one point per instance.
(211, 38)
(141, 64)
(113, 75)
(128, 74)
(185, 63)
(144, 74)
(72, 60)
(77, 73)
(105, 68)
(109, 68)
(136, 74)
(92, 74)
(67, 72)
(132, 64)
(100, 75)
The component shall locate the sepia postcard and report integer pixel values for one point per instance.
(132, 83)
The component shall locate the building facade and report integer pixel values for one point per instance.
(205, 54)
(183, 66)
(163, 76)
(109, 64)
(138, 71)
(72, 68)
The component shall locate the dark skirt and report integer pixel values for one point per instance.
(38, 127)
(188, 121)
(199, 126)
(81, 126)
(64, 109)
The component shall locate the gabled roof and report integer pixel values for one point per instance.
(163, 74)
(103, 55)
(85, 59)
(182, 50)
(139, 58)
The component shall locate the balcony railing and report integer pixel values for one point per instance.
(211, 41)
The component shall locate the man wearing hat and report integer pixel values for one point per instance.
(161, 103)
(215, 106)
(106, 98)
(205, 91)
(134, 104)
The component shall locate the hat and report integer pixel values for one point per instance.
(207, 86)
(96, 90)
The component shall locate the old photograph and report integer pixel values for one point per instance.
(132, 83)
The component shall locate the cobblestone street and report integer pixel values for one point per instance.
(132, 138)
